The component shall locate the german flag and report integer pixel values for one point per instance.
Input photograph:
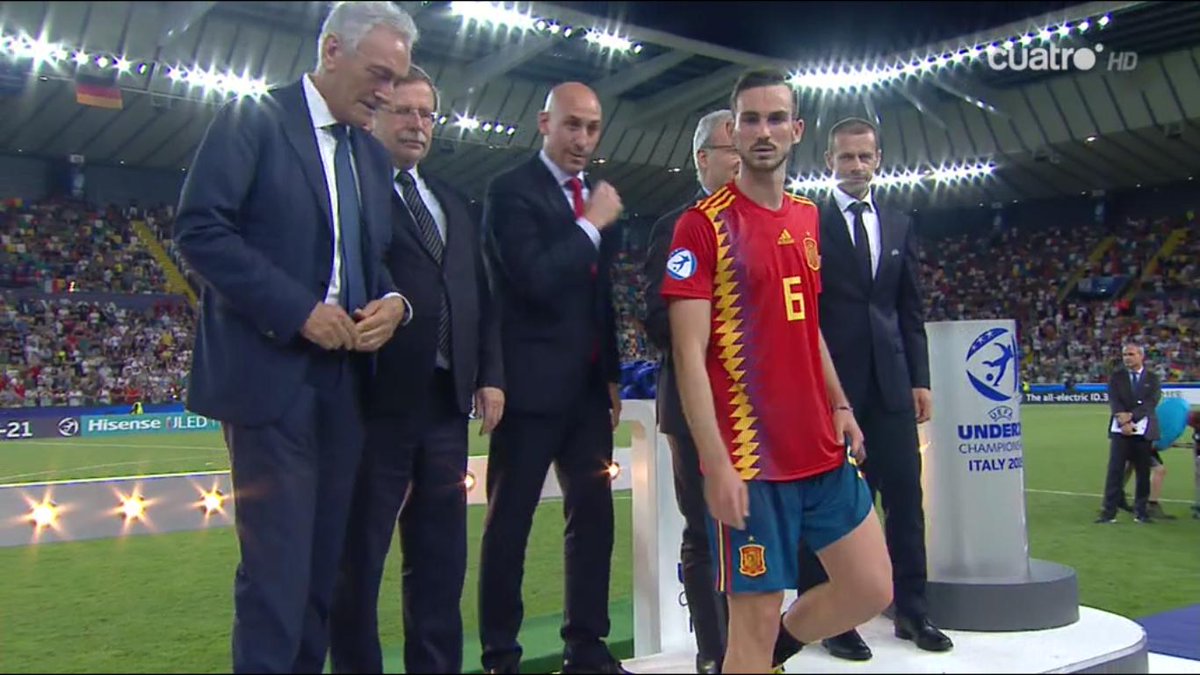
(98, 92)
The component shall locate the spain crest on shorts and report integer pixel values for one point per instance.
(811, 254)
(752, 561)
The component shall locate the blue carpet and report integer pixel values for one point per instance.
(1174, 633)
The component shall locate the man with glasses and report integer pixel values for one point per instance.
(717, 163)
(419, 400)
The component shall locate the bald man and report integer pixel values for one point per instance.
(548, 233)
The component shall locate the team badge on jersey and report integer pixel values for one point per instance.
(752, 561)
(682, 264)
(811, 254)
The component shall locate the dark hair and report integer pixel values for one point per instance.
(760, 77)
(417, 74)
(853, 125)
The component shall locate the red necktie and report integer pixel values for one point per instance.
(576, 186)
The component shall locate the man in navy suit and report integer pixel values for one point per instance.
(874, 323)
(428, 376)
(547, 237)
(1133, 395)
(285, 216)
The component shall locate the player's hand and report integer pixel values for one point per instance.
(603, 206)
(329, 327)
(614, 397)
(1127, 428)
(1124, 417)
(489, 407)
(377, 321)
(727, 496)
(845, 427)
(923, 403)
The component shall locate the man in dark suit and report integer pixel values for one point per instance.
(546, 233)
(874, 322)
(1133, 395)
(717, 163)
(285, 217)
(428, 376)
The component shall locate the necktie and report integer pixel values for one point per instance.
(1134, 377)
(353, 293)
(427, 228)
(862, 245)
(576, 186)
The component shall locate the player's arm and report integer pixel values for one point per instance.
(724, 491)
(691, 322)
(844, 425)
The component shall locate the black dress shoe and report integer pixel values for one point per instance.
(923, 633)
(848, 645)
(611, 666)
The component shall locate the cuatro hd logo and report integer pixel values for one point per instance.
(992, 364)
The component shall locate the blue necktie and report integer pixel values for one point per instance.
(353, 288)
(1135, 377)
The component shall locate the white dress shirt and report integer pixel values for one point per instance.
(562, 177)
(870, 220)
(322, 119)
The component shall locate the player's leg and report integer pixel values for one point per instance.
(753, 625)
(841, 526)
(1158, 474)
(752, 567)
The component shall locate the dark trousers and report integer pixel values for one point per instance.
(579, 443)
(412, 469)
(707, 608)
(893, 471)
(1136, 450)
(292, 482)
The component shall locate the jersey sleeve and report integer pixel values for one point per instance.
(692, 261)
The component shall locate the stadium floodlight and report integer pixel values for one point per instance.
(494, 14)
(1104, 21)
(897, 177)
(81, 57)
(102, 61)
(1064, 30)
(613, 470)
(469, 481)
(465, 122)
(611, 41)
(511, 130)
(487, 126)
(1083, 27)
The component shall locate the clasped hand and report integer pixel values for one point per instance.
(330, 327)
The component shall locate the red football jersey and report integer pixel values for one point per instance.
(762, 271)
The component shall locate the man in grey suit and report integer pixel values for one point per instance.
(1133, 394)
(284, 217)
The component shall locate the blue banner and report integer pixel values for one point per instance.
(111, 425)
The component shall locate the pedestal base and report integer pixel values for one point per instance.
(1048, 599)
(1099, 642)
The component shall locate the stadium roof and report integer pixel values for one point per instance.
(1033, 127)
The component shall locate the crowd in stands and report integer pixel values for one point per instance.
(57, 351)
(63, 245)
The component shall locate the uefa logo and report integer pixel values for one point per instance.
(992, 364)
(68, 426)
(682, 264)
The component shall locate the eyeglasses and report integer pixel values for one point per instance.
(423, 114)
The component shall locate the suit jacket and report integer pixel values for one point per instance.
(1142, 403)
(255, 225)
(874, 327)
(554, 311)
(404, 375)
(671, 419)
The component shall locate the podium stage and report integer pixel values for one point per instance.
(1099, 642)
